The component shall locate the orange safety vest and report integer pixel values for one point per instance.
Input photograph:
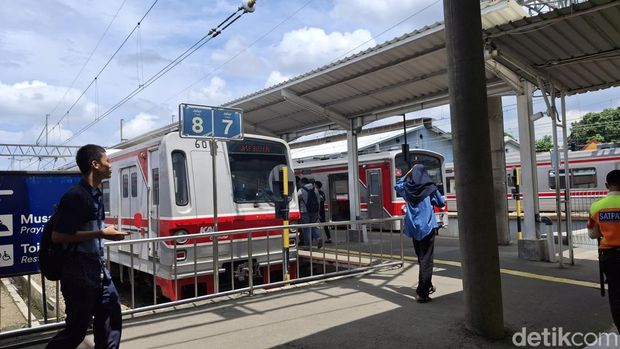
(606, 214)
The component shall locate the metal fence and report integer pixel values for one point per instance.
(581, 201)
(357, 246)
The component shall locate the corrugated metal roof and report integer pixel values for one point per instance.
(401, 75)
(340, 147)
(577, 47)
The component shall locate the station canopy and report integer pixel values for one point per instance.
(402, 75)
(577, 48)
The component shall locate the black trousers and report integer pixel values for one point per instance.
(610, 264)
(424, 250)
(325, 228)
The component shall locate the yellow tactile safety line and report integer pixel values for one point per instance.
(502, 270)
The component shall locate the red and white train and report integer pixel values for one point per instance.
(378, 173)
(178, 172)
(587, 172)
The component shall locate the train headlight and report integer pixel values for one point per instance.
(403, 208)
(181, 232)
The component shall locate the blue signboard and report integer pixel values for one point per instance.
(26, 204)
(198, 121)
(227, 123)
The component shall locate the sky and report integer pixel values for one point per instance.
(52, 50)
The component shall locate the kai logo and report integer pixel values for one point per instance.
(205, 230)
(6, 225)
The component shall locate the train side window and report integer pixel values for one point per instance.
(451, 185)
(583, 177)
(579, 178)
(179, 174)
(134, 185)
(155, 172)
(125, 186)
(105, 189)
(552, 180)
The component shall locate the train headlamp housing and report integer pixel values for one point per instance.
(181, 232)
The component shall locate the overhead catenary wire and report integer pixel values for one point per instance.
(103, 68)
(82, 68)
(213, 32)
(237, 54)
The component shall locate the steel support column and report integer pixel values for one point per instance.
(473, 169)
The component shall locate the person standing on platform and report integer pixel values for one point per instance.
(85, 282)
(604, 224)
(421, 194)
(322, 199)
(309, 208)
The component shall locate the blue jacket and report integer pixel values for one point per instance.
(420, 220)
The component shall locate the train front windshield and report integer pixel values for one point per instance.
(432, 164)
(251, 161)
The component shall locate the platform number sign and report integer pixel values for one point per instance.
(198, 121)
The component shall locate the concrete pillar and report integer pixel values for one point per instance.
(473, 170)
(353, 171)
(529, 182)
(498, 160)
(531, 247)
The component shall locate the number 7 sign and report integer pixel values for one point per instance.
(227, 124)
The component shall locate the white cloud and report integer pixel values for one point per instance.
(140, 124)
(237, 57)
(309, 48)
(387, 12)
(11, 137)
(214, 94)
(275, 78)
(27, 102)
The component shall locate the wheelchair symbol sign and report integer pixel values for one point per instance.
(6, 255)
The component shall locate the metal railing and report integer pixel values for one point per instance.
(358, 246)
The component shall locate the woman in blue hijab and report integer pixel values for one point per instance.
(421, 194)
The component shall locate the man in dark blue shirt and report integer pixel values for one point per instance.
(86, 284)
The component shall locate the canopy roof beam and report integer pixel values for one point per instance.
(315, 108)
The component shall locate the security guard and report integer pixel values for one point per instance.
(604, 223)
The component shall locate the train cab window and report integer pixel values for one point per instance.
(134, 185)
(105, 189)
(251, 161)
(125, 186)
(583, 177)
(432, 164)
(179, 178)
(155, 176)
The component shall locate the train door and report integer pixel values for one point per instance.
(154, 199)
(375, 200)
(339, 197)
(130, 191)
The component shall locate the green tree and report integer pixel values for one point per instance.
(603, 126)
(544, 144)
